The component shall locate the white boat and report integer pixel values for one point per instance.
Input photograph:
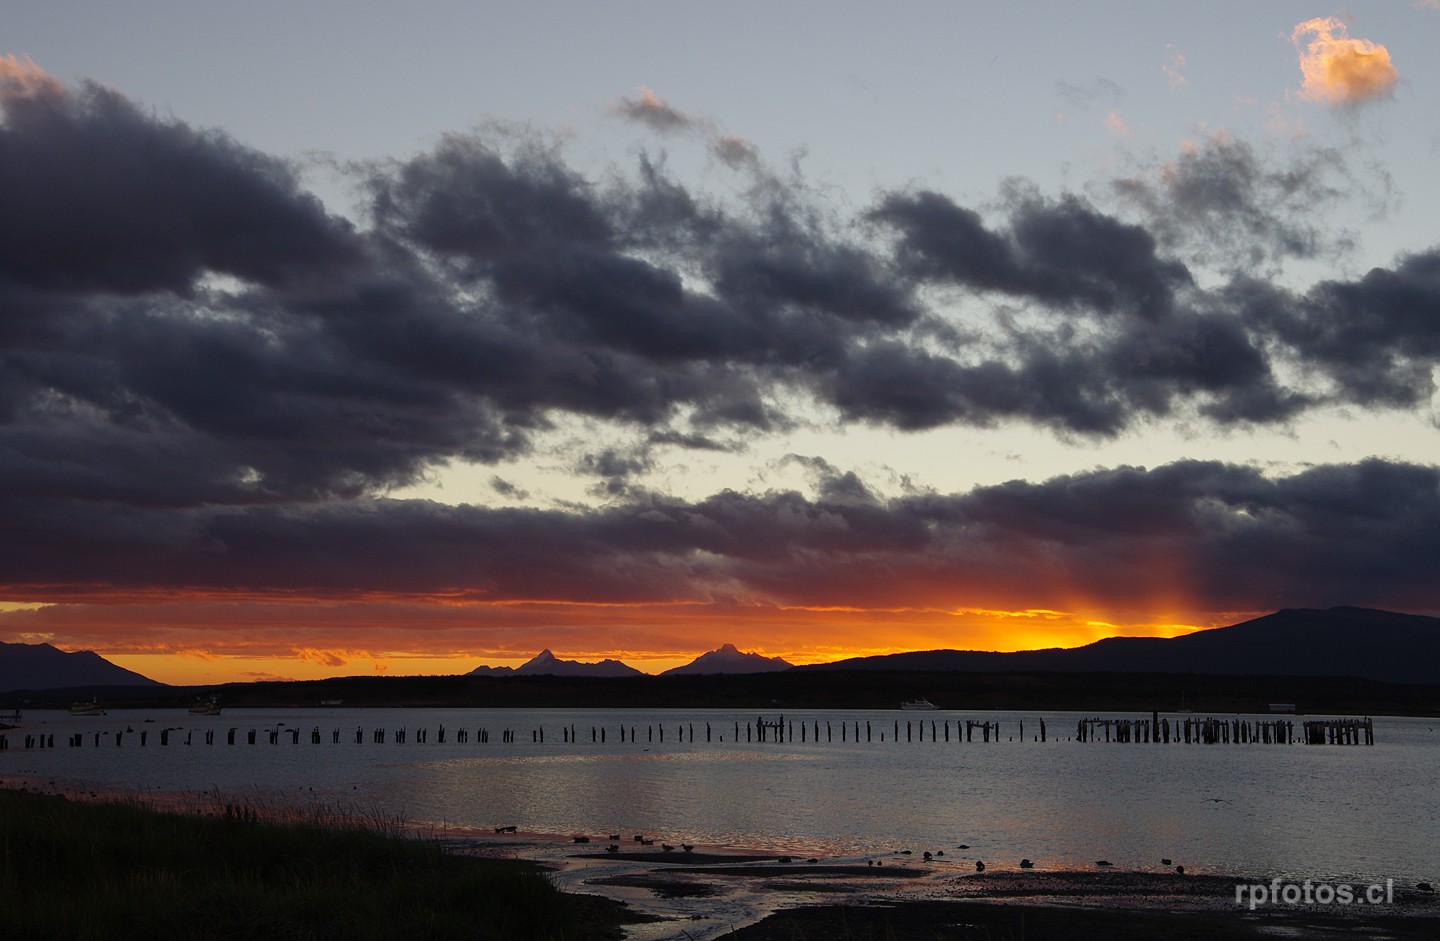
(922, 703)
(211, 708)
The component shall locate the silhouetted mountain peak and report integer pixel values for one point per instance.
(41, 666)
(546, 663)
(729, 659)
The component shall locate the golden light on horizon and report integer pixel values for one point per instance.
(661, 638)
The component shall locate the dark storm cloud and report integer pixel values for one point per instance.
(162, 401)
(565, 263)
(1210, 359)
(99, 196)
(1377, 337)
(1216, 536)
(465, 200)
(183, 326)
(1094, 385)
(1059, 252)
(1220, 535)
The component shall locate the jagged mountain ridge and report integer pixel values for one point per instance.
(728, 659)
(546, 663)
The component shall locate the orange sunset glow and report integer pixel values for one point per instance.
(396, 639)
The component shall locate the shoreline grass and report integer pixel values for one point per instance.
(121, 870)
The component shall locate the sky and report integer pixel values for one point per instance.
(353, 338)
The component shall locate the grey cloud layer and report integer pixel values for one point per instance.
(183, 328)
(1214, 535)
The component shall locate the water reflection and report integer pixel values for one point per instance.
(1358, 813)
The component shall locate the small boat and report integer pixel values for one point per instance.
(922, 703)
(211, 708)
(91, 708)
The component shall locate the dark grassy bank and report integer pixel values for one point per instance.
(811, 689)
(117, 871)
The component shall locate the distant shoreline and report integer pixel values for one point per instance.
(791, 690)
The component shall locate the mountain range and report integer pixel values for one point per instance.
(1338, 642)
(725, 659)
(41, 666)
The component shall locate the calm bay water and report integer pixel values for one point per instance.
(1325, 812)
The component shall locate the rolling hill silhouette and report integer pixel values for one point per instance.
(1345, 641)
(41, 666)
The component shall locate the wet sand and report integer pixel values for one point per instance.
(987, 921)
(802, 900)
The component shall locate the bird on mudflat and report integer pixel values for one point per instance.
(1026, 864)
(979, 865)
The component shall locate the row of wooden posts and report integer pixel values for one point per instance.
(1211, 731)
(1156, 730)
(762, 730)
